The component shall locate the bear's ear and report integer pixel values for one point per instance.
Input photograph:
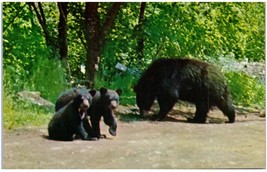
(76, 91)
(119, 91)
(92, 92)
(103, 91)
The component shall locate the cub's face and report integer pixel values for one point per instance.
(110, 97)
(82, 103)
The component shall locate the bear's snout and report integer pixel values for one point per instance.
(85, 105)
(113, 104)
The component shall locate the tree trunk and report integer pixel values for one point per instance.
(62, 35)
(95, 36)
(140, 38)
(92, 29)
(41, 18)
(62, 29)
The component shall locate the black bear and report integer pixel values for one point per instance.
(103, 104)
(197, 82)
(68, 120)
(69, 95)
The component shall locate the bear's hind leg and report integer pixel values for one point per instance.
(228, 110)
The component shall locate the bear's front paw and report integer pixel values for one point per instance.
(91, 138)
(103, 136)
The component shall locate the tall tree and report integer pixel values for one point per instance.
(140, 37)
(95, 34)
(42, 20)
(62, 29)
(62, 34)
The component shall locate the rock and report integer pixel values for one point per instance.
(35, 98)
(262, 113)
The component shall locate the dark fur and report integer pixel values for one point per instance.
(67, 121)
(100, 106)
(104, 103)
(68, 95)
(200, 83)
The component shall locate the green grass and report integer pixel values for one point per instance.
(19, 114)
(47, 77)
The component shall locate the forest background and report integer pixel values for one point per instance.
(51, 46)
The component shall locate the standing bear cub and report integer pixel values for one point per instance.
(68, 120)
(105, 102)
(170, 80)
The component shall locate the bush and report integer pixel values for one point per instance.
(49, 78)
(246, 91)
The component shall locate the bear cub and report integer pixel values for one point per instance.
(68, 120)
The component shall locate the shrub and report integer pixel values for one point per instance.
(49, 78)
(246, 90)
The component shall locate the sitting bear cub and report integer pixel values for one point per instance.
(68, 120)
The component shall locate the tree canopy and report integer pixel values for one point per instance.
(100, 34)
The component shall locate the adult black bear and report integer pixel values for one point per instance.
(67, 121)
(103, 104)
(200, 83)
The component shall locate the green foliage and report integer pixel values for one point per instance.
(170, 29)
(18, 113)
(246, 91)
(28, 64)
(49, 78)
(205, 29)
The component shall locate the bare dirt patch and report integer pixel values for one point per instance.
(143, 144)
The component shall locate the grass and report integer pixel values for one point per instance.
(19, 114)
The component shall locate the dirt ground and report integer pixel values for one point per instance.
(144, 144)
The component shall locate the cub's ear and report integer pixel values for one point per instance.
(119, 91)
(76, 90)
(103, 91)
(92, 92)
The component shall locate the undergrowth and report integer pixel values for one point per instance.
(48, 77)
(245, 90)
(18, 113)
